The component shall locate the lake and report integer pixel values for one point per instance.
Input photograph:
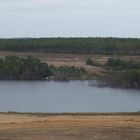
(73, 96)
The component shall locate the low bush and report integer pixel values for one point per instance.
(118, 64)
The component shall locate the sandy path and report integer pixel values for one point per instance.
(69, 127)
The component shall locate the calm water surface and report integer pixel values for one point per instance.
(73, 96)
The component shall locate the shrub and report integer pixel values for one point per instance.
(118, 64)
(16, 68)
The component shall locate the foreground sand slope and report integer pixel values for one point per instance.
(69, 127)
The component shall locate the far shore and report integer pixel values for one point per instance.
(71, 113)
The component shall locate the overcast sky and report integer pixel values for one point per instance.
(69, 18)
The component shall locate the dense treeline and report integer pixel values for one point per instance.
(122, 74)
(126, 46)
(16, 68)
(122, 79)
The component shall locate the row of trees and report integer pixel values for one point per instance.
(16, 68)
(126, 46)
(122, 74)
(122, 79)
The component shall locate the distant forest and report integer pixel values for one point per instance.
(118, 46)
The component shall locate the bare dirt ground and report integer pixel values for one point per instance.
(69, 127)
(77, 60)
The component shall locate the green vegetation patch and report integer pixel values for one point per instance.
(118, 64)
(65, 73)
(16, 68)
(90, 62)
(122, 74)
(122, 79)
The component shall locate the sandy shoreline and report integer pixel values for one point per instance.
(34, 126)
